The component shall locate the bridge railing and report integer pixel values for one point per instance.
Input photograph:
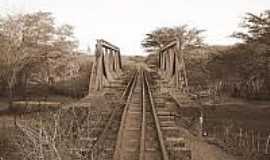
(172, 65)
(106, 67)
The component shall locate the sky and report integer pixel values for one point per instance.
(125, 22)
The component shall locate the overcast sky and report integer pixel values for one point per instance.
(124, 22)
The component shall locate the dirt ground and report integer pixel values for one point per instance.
(235, 113)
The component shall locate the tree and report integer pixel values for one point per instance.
(256, 38)
(258, 28)
(28, 41)
(158, 38)
(187, 37)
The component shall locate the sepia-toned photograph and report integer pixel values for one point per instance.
(134, 80)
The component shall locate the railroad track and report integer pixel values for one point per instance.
(104, 146)
(147, 132)
(98, 130)
(142, 127)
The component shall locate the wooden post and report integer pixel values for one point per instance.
(201, 118)
(240, 137)
(267, 144)
(176, 65)
(163, 61)
(116, 61)
(258, 142)
(159, 59)
(171, 57)
(253, 140)
(111, 61)
(246, 138)
(105, 63)
(119, 59)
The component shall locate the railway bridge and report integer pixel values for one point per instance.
(144, 126)
(147, 128)
(108, 65)
(130, 113)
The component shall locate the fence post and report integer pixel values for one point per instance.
(267, 144)
(258, 142)
(201, 124)
(253, 140)
(240, 137)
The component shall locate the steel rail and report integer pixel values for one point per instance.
(157, 124)
(108, 124)
(143, 125)
(117, 154)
